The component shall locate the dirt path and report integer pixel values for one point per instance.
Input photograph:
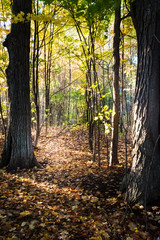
(70, 197)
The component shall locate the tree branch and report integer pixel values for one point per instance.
(126, 16)
(65, 87)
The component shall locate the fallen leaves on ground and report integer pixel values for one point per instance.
(70, 197)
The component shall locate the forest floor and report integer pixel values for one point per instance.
(71, 197)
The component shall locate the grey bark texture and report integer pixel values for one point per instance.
(18, 151)
(144, 177)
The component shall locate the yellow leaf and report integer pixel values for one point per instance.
(3, 196)
(46, 236)
(31, 226)
(24, 214)
(55, 213)
(46, 213)
(94, 199)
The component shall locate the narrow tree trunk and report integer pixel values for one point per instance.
(18, 151)
(35, 78)
(90, 108)
(94, 91)
(122, 88)
(144, 178)
(3, 122)
(37, 90)
(48, 68)
(116, 100)
(69, 94)
(99, 144)
(46, 100)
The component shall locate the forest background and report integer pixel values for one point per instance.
(58, 65)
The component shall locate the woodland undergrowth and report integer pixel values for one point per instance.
(71, 197)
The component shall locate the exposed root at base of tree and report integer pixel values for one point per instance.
(71, 197)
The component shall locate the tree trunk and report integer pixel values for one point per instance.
(3, 121)
(18, 151)
(122, 87)
(35, 84)
(69, 94)
(144, 178)
(116, 98)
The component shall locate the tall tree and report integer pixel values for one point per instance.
(35, 73)
(18, 151)
(116, 98)
(144, 178)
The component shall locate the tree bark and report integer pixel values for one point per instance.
(116, 98)
(18, 151)
(35, 77)
(3, 121)
(69, 94)
(144, 178)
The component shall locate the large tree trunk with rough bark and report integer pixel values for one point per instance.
(18, 151)
(144, 178)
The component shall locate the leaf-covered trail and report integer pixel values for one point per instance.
(70, 197)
